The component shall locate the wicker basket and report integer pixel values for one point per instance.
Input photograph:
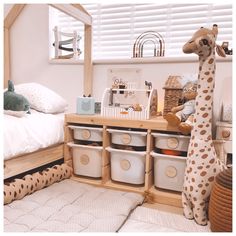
(220, 205)
(173, 93)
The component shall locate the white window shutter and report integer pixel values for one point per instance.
(116, 26)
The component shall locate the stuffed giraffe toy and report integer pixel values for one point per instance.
(202, 162)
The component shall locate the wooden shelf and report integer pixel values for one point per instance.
(87, 180)
(156, 123)
(166, 197)
(147, 189)
(124, 187)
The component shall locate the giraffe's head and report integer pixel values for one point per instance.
(203, 42)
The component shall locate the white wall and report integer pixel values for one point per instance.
(29, 60)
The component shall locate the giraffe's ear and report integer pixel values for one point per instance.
(220, 51)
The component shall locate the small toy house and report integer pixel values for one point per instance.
(173, 93)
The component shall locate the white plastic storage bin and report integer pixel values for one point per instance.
(126, 137)
(87, 160)
(87, 133)
(127, 166)
(169, 171)
(171, 142)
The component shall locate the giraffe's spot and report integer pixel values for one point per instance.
(208, 166)
(199, 86)
(203, 132)
(202, 108)
(195, 144)
(193, 162)
(194, 199)
(209, 138)
(202, 150)
(191, 188)
(193, 180)
(203, 192)
(210, 79)
(212, 161)
(200, 167)
(211, 61)
(205, 115)
(22, 186)
(207, 125)
(196, 215)
(203, 173)
(202, 204)
(189, 170)
(208, 97)
(204, 156)
(207, 73)
(200, 68)
(205, 91)
(211, 179)
(214, 170)
(15, 194)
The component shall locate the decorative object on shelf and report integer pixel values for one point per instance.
(225, 46)
(59, 44)
(149, 36)
(220, 204)
(85, 105)
(138, 105)
(182, 115)
(173, 93)
(202, 162)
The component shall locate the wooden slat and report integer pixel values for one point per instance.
(88, 67)
(158, 123)
(149, 158)
(148, 180)
(12, 15)
(106, 174)
(7, 67)
(33, 160)
(164, 197)
(74, 12)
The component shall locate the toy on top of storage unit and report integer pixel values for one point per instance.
(182, 115)
(127, 98)
(85, 105)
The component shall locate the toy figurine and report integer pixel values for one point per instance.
(182, 116)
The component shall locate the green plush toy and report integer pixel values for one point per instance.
(14, 101)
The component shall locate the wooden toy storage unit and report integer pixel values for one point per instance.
(87, 124)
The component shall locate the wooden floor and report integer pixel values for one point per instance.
(165, 208)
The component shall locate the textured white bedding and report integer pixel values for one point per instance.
(70, 206)
(31, 132)
(145, 219)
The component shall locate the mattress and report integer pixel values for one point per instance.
(145, 219)
(32, 132)
(70, 206)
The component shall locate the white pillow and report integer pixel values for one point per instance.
(15, 113)
(42, 98)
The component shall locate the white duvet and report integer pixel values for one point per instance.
(31, 132)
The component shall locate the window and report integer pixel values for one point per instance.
(116, 26)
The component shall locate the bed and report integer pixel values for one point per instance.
(36, 139)
(19, 163)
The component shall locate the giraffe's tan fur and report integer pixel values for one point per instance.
(202, 162)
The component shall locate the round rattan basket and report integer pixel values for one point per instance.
(220, 205)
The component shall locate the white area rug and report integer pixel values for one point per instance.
(145, 219)
(70, 206)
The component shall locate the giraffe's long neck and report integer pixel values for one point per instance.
(204, 100)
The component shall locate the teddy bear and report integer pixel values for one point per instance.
(182, 116)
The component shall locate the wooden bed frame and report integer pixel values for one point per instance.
(23, 163)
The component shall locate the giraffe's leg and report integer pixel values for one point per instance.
(188, 213)
(200, 212)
